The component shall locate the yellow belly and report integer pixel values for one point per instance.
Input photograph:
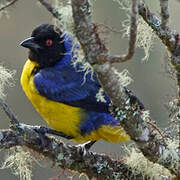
(62, 117)
(59, 116)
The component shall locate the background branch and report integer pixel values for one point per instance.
(164, 14)
(51, 9)
(7, 4)
(13, 121)
(167, 37)
(132, 40)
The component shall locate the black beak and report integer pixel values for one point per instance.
(30, 44)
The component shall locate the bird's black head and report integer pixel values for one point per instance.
(46, 45)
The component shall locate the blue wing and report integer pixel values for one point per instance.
(66, 85)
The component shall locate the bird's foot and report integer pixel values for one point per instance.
(41, 132)
(83, 148)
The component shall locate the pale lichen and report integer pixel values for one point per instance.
(84, 66)
(60, 156)
(139, 164)
(20, 162)
(4, 12)
(101, 166)
(145, 34)
(6, 79)
(174, 125)
(116, 176)
(170, 155)
(145, 115)
(100, 96)
(123, 77)
(65, 10)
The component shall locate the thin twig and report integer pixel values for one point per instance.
(132, 40)
(159, 131)
(8, 4)
(109, 28)
(133, 29)
(164, 14)
(13, 119)
(51, 9)
(169, 38)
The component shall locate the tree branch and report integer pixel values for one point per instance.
(13, 120)
(128, 109)
(7, 4)
(132, 40)
(65, 156)
(164, 14)
(51, 9)
(167, 37)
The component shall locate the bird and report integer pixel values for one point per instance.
(57, 90)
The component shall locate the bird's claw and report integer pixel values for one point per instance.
(83, 148)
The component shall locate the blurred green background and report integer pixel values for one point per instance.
(151, 83)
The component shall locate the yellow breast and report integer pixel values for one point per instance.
(54, 113)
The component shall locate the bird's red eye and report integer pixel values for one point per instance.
(49, 42)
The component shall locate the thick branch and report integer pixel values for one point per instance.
(167, 37)
(7, 4)
(76, 158)
(130, 110)
(65, 156)
(82, 18)
(51, 9)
